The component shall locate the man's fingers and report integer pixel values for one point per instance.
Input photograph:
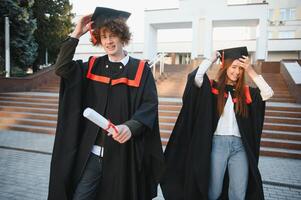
(125, 139)
(124, 136)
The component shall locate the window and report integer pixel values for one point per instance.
(286, 34)
(283, 14)
(292, 14)
(287, 14)
(271, 14)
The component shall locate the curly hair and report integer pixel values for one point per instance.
(116, 26)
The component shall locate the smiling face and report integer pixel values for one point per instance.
(111, 43)
(234, 71)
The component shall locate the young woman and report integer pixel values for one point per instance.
(217, 134)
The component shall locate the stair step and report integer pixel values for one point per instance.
(280, 143)
(28, 115)
(282, 120)
(282, 127)
(27, 128)
(48, 90)
(30, 122)
(166, 126)
(168, 113)
(280, 152)
(168, 119)
(282, 107)
(29, 104)
(32, 100)
(281, 135)
(288, 100)
(282, 113)
(30, 95)
(170, 107)
(165, 134)
(25, 109)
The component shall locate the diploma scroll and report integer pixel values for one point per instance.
(100, 121)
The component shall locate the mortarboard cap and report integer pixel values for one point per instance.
(233, 53)
(102, 14)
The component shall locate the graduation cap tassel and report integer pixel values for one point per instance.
(223, 59)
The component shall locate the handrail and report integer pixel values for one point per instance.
(158, 58)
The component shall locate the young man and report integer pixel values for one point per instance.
(86, 162)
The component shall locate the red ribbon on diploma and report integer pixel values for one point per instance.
(111, 126)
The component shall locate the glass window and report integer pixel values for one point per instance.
(271, 14)
(282, 14)
(292, 14)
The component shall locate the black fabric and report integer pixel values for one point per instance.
(234, 53)
(130, 170)
(188, 151)
(102, 14)
(135, 127)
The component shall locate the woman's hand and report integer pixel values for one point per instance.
(82, 26)
(245, 63)
(215, 55)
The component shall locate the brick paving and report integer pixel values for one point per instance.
(25, 160)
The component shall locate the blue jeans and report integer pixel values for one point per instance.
(88, 184)
(228, 151)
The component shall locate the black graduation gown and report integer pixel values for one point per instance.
(187, 154)
(130, 170)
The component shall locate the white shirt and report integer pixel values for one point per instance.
(227, 124)
(124, 60)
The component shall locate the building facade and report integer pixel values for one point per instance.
(270, 29)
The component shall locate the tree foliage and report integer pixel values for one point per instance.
(23, 46)
(35, 25)
(54, 24)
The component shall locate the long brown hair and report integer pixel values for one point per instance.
(241, 106)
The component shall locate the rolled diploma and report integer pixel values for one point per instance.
(100, 121)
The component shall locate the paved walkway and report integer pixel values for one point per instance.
(25, 160)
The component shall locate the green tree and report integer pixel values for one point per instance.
(54, 24)
(23, 47)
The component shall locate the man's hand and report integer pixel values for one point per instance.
(123, 135)
(82, 26)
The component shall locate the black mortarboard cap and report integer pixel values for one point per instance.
(102, 14)
(233, 53)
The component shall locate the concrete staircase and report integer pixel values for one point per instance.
(36, 112)
(30, 112)
(282, 94)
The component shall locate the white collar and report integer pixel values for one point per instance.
(124, 60)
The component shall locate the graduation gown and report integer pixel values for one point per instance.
(187, 153)
(130, 170)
